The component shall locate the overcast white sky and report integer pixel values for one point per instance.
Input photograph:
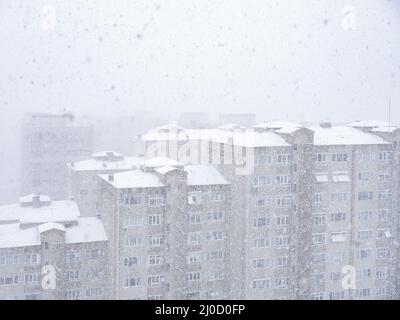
(279, 59)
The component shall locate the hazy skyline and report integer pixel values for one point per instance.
(279, 59)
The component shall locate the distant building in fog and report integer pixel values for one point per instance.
(195, 120)
(243, 119)
(48, 142)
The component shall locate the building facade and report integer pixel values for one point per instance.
(83, 182)
(168, 226)
(47, 251)
(48, 142)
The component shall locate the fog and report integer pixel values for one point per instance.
(293, 60)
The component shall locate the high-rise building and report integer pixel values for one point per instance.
(48, 142)
(47, 251)
(169, 230)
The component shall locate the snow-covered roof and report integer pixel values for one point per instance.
(133, 179)
(51, 226)
(367, 124)
(30, 197)
(230, 126)
(277, 124)
(254, 139)
(344, 135)
(387, 129)
(162, 162)
(106, 153)
(240, 137)
(199, 175)
(165, 169)
(55, 211)
(87, 229)
(127, 163)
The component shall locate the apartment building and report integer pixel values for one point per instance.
(47, 251)
(269, 202)
(319, 205)
(48, 142)
(168, 225)
(83, 182)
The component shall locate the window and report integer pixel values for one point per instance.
(339, 157)
(9, 259)
(155, 241)
(380, 291)
(194, 218)
(319, 219)
(363, 176)
(318, 239)
(383, 215)
(337, 257)
(283, 179)
(261, 243)
(364, 253)
(155, 260)
(194, 198)
(282, 282)
(94, 292)
(380, 273)
(8, 280)
(283, 221)
(215, 235)
(215, 255)
(132, 220)
(261, 263)
(282, 241)
(72, 257)
(155, 200)
(32, 278)
(32, 258)
(132, 241)
(95, 253)
(261, 283)
(318, 198)
(134, 200)
(364, 274)
(133, 282)
(282, 261)
(320, 157)
(155, 219)
(215, 216)
(73, 275)
(336, 295)
(363, 235)
(384, 176)
(194, 238)
(262, 180)
(216, 196)
(130, 261)
(261, 221)
(365, 216)
(365, 195)
(262, 157)
(382, 253)
(338, 217)
(193, 258)
(153, 280)
(72, 294)
(385, 156)
(338, 196)
(283, 201)
(193, 276)
(383, 233)
(283, 158)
